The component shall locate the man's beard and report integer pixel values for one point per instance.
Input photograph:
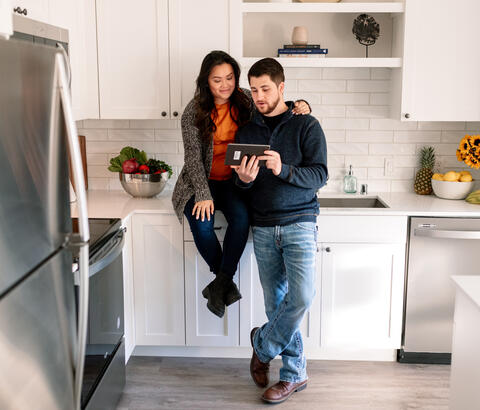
(271, 107)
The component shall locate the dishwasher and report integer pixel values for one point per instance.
(438, 248)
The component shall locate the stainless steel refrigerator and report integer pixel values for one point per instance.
(42, 335)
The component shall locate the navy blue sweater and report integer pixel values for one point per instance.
(289, 197)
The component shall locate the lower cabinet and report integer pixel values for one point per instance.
(159, 284)
(203, 328)
(362, 294)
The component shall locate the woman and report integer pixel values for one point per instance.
(209, 123)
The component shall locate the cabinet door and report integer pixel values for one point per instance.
(441, 59)
(202, 326)
(362, 290)
(252, 307)
(133, 58)
(78, 17)
(196, 28)
(35, 9)
(158, 280)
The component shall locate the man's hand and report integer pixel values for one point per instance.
(247, 171)
(273, 161)
(203, 209)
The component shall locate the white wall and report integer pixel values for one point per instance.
(351, 105)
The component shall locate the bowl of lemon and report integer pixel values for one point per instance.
(452, 184)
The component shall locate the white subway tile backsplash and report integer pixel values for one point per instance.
(381, 73)
(368, 86)
(94, 134)
(438, 126)
(416, 136)
(367, 111)
(352, 105)
(346, 73)
(380, 99)
(345, 98)
(369, 136)
(105, 123)
(130, 135)
(345, 123)
(322, 85)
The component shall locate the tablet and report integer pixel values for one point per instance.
(235, 152)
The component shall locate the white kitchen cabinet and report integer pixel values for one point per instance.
(128, 288)
(158, 280)
(252, 308)
(150, 52)
(439, 79)
(78, 17)
(203, 328)
(33, 9)
(362, 294)
(133, 62)
(362, 277)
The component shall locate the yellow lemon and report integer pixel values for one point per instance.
(462, 173)
(450, 176)
(438, 177)
(458, 175)
(466, 178)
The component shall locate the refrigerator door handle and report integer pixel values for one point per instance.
(84, 235)
(447, 234)
(67, 64)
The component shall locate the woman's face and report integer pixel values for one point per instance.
(221, 82)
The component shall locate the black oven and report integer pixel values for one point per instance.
(104, 372)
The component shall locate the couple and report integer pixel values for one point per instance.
(280, 196)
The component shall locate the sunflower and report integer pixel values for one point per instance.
(472, 162)
(460, 155)
(465, 144)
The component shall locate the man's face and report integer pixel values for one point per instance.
(266, 94)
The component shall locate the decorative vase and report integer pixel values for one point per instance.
(300, 36)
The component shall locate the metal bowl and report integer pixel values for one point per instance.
(143, 185)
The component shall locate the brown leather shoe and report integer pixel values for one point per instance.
(281, 391)
(258, 370)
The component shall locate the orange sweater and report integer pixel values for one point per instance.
(224, 135)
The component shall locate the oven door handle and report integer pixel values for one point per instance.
(111, 255)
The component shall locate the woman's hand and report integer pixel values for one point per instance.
(301, 107)
(203, 209)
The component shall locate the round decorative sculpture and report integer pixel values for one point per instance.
(366, 30)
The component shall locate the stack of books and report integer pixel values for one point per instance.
(308, 51)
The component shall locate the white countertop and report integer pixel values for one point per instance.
(470, 285)
(118, 204)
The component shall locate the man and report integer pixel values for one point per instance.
(282, 197)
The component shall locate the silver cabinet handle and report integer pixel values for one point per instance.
(446, 234)
(327, 249)
(175, 113)
(164, 114)
(407, 115)
(61, 83)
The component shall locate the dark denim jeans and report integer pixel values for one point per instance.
(226, 198)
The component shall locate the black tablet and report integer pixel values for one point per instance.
(235, 152)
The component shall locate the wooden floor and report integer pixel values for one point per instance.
(192, 383)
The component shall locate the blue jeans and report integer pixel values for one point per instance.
(227, 199)
(286, 264)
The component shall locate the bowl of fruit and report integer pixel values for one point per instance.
(139, 176)
(452, 185)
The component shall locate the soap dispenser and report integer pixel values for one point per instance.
(350, 182)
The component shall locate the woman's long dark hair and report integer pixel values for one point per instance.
(204, 101)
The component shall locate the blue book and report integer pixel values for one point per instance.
(302, 51)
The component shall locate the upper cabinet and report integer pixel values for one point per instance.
(78, 17)
(149, 53)
(439, 80)
(34, 9)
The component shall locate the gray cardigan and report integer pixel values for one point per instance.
(193, 179)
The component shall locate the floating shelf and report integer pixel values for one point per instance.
(330, 62)
(323, 7)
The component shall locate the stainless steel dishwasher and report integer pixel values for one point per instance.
(438, 248)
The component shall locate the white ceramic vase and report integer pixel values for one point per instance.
(300, 36)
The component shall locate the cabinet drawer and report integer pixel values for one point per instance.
(353, 228)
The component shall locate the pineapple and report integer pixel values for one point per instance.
(423, 179)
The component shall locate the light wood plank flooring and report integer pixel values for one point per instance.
(194, 383)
